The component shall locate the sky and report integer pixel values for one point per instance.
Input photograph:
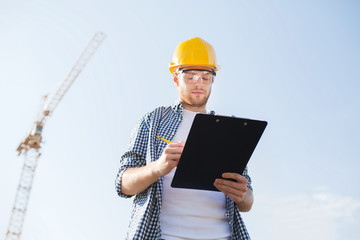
(294, 64)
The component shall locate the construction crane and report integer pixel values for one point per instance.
(30, 147)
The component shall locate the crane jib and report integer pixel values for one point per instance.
(30, 147)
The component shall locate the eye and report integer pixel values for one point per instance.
(206, 76)
(189, 75)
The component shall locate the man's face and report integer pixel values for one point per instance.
(194, 86)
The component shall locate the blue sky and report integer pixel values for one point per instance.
(292, 63)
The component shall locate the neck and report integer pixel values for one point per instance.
(193, 108)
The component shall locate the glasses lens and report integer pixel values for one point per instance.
(192, 76)
(189, 75)
(207, 76)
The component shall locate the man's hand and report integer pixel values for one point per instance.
(237, 191)
(137, 179)
(169, 158)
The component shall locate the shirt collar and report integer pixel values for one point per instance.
(178, 107)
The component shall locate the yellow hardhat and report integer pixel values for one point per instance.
(194, 51)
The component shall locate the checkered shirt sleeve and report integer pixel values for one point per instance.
(136, 151)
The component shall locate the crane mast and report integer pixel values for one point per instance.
(30, 147)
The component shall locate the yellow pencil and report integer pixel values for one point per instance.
(161, 138)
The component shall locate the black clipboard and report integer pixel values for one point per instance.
(215, 145)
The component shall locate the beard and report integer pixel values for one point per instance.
(200, 101)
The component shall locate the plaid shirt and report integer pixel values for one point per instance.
(144, 148)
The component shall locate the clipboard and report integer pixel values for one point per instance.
(215, 145)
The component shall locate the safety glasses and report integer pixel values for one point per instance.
(194, 75)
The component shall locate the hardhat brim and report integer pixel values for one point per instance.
(173, 66)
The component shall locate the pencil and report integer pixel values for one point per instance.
(161, 138)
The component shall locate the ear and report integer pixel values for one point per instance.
(176, 79)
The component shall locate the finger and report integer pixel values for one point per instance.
(235, 198)
(176, 144)
(227, 190)
(172, 154)
(231, 185)
(173, 157)
(235, 176)
(231, 192)
(173, 150)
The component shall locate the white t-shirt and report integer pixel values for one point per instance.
(191, 214)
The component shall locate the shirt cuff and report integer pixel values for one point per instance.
(118, 180)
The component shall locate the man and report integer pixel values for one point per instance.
(147, 167)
